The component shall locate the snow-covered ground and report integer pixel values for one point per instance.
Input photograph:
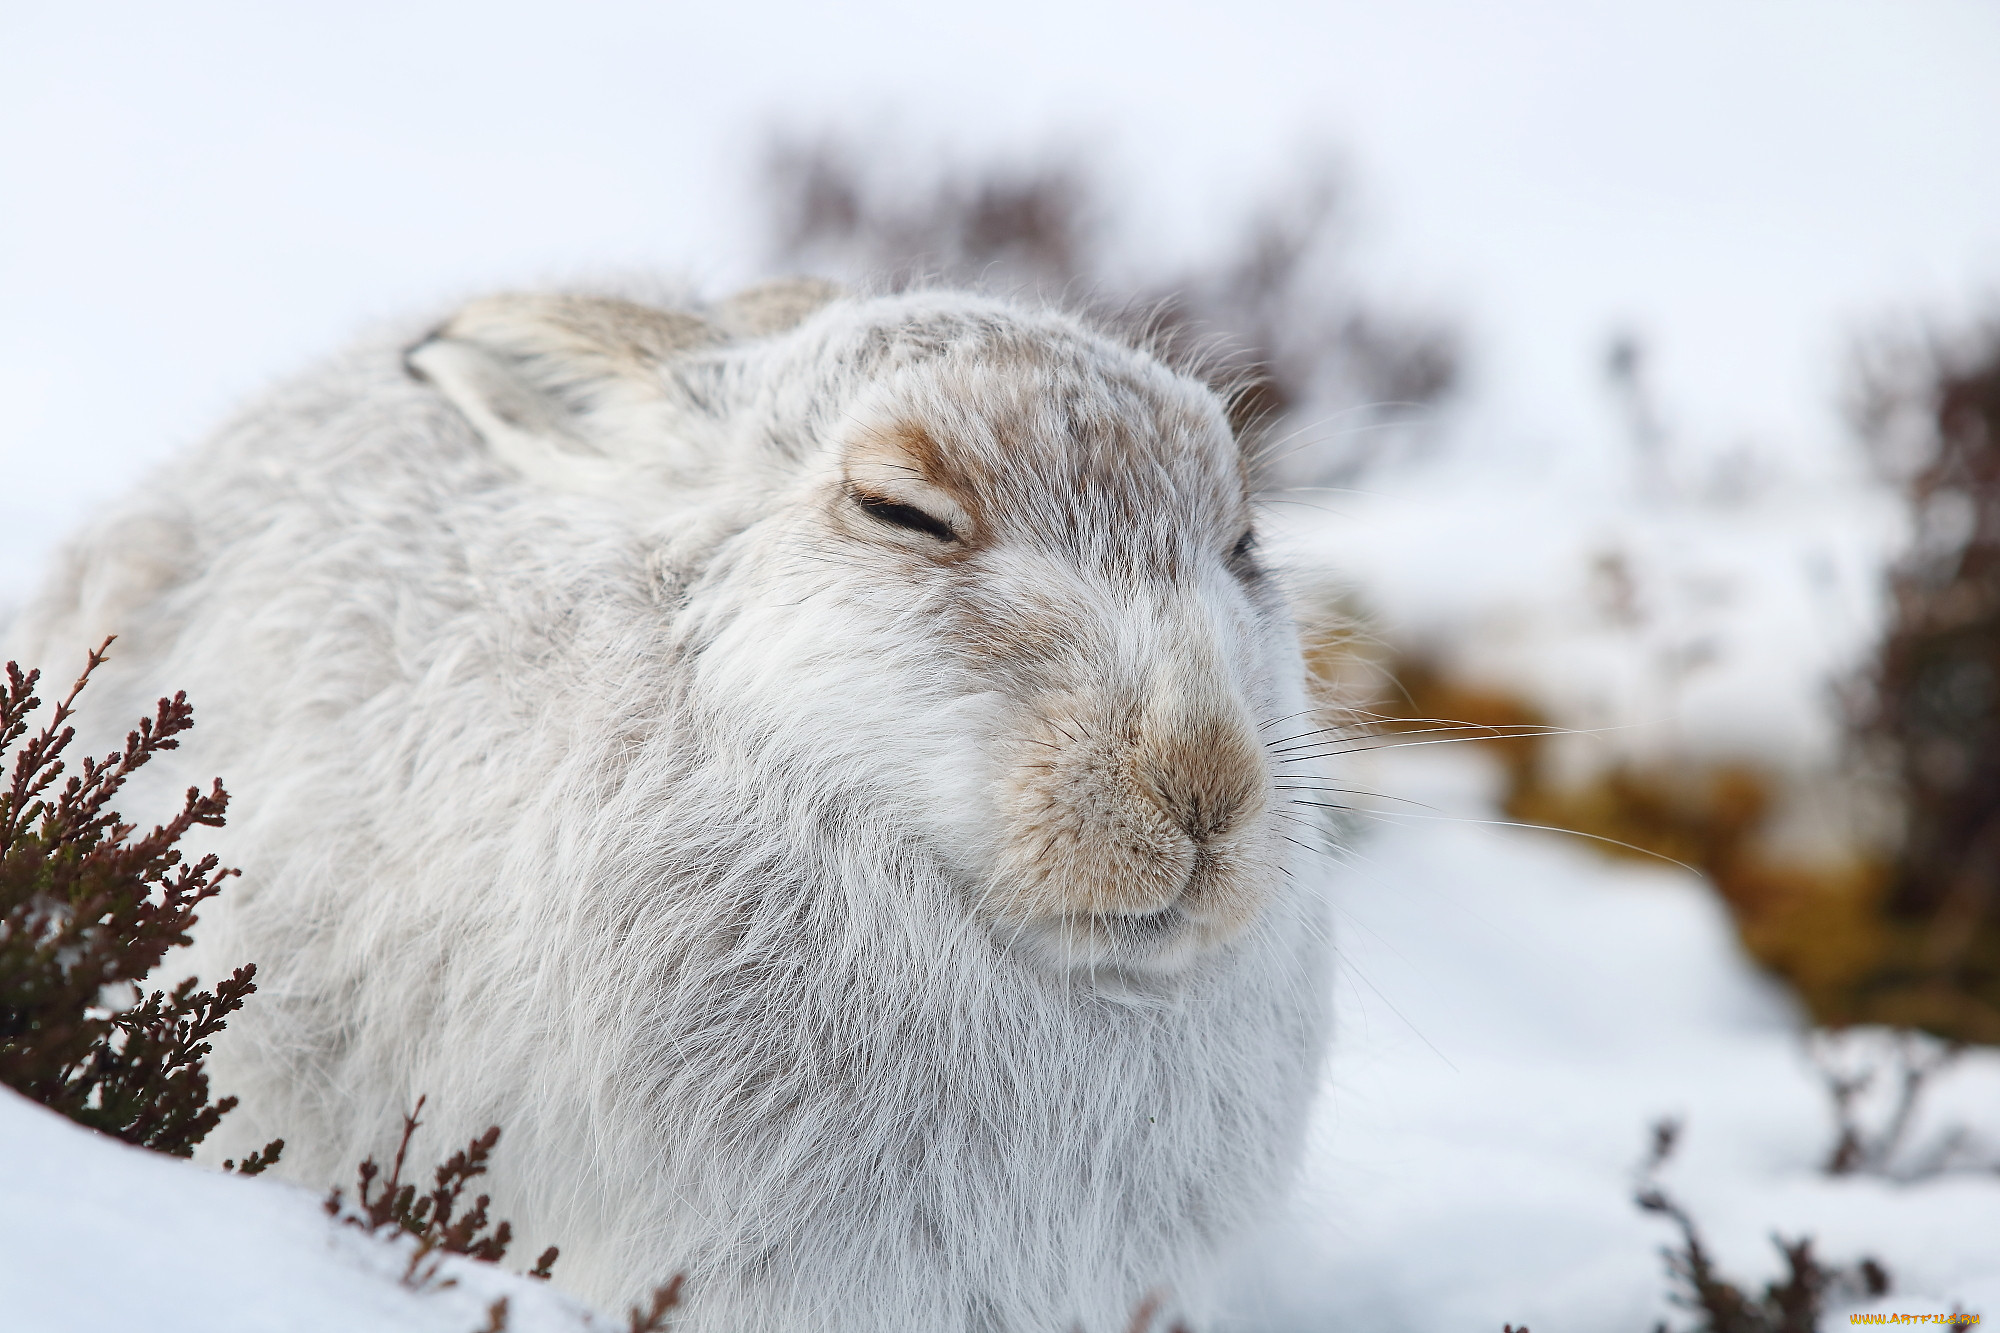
(1661, 625)
(1514, 1014)
(98, 1235)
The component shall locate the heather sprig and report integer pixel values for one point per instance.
(89, 906)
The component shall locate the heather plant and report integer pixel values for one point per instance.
(439, 1224)
(652, 1318)
(1790, 1304)
(89, 907)
(1930, 411)
(1876, 1079)
(434, 1217)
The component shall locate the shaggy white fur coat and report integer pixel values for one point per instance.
(804, 767)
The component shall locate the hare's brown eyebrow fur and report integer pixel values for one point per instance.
(936, 466)
(957, 475)
(1114, 466)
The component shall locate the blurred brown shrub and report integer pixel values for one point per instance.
(1929, 409)
(1328, 380)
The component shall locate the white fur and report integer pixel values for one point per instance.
(609, 775)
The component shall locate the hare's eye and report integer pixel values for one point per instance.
(904, 516)
(1244, 545)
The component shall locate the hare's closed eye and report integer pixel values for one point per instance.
(900, 515)
(1244, 545)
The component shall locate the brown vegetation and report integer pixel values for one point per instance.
(1791, 1305)
(1931, 711)
(433, 1218)
(88, 908)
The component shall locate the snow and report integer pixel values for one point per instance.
(1513, 1015)
(95, 1234)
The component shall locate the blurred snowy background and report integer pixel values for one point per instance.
(1599, 335)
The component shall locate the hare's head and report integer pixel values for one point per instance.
(970, 581)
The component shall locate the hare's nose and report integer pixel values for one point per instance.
(1205, 772)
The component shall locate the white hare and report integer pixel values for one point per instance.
(801, 766)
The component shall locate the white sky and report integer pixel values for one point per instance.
(196, 197)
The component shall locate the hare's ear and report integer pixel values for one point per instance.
(570, 391)
(773, 307)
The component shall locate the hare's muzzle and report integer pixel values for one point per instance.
(1135, 834)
